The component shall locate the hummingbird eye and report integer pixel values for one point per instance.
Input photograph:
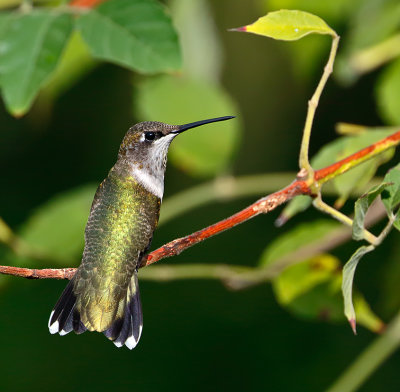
(150, 136)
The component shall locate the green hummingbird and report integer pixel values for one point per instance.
(104, 294)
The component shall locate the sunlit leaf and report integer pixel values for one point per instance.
(388, 93)
(361, 207)
(307, 53)
(288, 25)
(178, 100)
(56, 229)
(347, 283)
(30, 47)
(137, 34)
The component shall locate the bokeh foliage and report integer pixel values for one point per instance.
(166, 84)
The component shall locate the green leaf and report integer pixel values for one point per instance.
(288, 25)
(201, 152)
(137, 34)
(391, 194)
(347, 283)
(303, 235)
(301, 278)
(30, 47)
(74, 64)
(56, 229)
(311, 287)
(307, 53)
(388, 93)
(312, 290)
(361, 207)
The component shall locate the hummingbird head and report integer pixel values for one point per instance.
(145, 147)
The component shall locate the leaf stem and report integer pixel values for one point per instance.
(270, 202)
(312, 106)
(334, 213)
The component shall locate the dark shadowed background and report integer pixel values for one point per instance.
(198, 335)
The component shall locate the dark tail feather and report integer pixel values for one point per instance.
(124, 331)
(127, 331)
(62, 318)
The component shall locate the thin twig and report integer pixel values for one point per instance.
(46, 273)
(233, 276)
(312, 106)
(264, 205)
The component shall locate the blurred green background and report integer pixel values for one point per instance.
(198, 335)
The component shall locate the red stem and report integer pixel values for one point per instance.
(262, 206)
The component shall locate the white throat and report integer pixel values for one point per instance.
(151, 176)
(152, 182)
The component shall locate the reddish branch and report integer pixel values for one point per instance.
(60, 273)
(262, 206)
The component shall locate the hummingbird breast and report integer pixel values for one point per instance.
(118, 233)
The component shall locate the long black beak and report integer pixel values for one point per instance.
(185, 127)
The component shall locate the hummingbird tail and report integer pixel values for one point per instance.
(64, 318)
(127, 330)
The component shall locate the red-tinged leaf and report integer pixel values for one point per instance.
(353, 326)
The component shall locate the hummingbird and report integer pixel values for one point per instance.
(104, 293)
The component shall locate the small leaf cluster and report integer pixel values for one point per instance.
(309, 288)
(136, 34)
(389, 193)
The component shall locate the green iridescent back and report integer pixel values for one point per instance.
(119, 231)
